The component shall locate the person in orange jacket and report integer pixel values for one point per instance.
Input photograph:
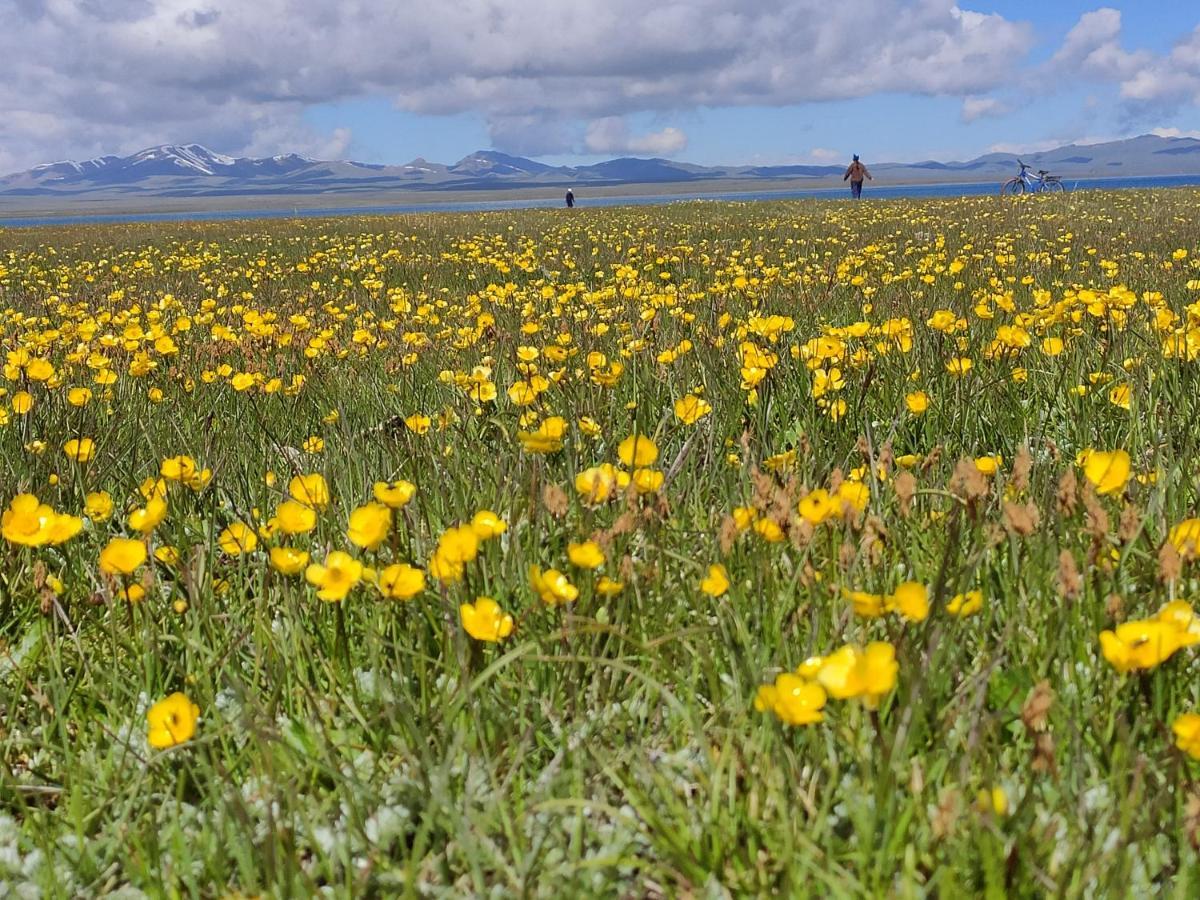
(855, 174)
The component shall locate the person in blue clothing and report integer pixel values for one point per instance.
(570, 199)
(855, 175)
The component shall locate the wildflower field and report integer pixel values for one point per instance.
(790, 549)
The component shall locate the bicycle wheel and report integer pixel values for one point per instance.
(1012, 187)
(1053, 187)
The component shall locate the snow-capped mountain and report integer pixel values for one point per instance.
(191, 170)
(492, 162)
(166, 161)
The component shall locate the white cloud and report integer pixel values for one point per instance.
(823, 155)
(117, 75)
(1177, 133)
(1148, 81)
(612, 135)
(1092, 48)
(979, 107)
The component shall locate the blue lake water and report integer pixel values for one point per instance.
(583, 201)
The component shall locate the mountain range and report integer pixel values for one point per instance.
(191, 170)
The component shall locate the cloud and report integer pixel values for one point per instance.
(823, 155)
(1150, 83)
(1192, 133)
(240, 76)
(612, 135)
(980, 107)
(1092, 48)
(1174, 78)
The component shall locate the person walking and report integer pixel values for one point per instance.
(855, 174)
(570, 199)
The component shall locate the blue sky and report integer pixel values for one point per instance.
(709, 81)
(895, 126)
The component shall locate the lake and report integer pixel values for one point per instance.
(582, 201)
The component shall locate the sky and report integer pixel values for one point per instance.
(573, 81)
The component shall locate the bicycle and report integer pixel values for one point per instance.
(1042, 183)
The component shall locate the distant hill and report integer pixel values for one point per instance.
(191, 170)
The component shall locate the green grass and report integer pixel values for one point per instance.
(609, 747)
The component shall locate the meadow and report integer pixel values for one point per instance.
(782, 549)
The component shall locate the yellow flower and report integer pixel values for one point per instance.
(484, 620)
(288, 561)
(22, 402)
(294, 517)
(867, 605)
(589, 427)
(145, 519)
(599, 483)
(743, 517)
(39, 370)
(336, 577)
(177, 468)
(456, 546)
(816, 506)
(1186, 538)
(313, 444)
(31, 523)
(795, 700)
(417, 423)
(854, 495)
(690, 409)
(370, 525)
(98, 506)
(63, 528)
(122, 556)
(486, 524)
(171, 721)
(552, 586)
(769, 530)
(587, 555)
(310, 489)
(395, 494)
(917, 402)
(401, 582)
(1106, 470)
(79, 396)
(237, 539)
(810, 667)
(548, 438)
(459, 543)
(716, 581)
(1144, 644)
(607, 587)
(989, 465)
(964, 605)
(959, 366)
(1120, 395)
(911, 600)
(867, 674)
(80, 449)
(167, 555)
(132, 593)
(637, 450)
(994, 801)
(1187, 734)
(647, 481)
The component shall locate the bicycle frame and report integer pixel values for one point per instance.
(1026, 181)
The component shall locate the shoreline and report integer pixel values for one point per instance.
(19, 211)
